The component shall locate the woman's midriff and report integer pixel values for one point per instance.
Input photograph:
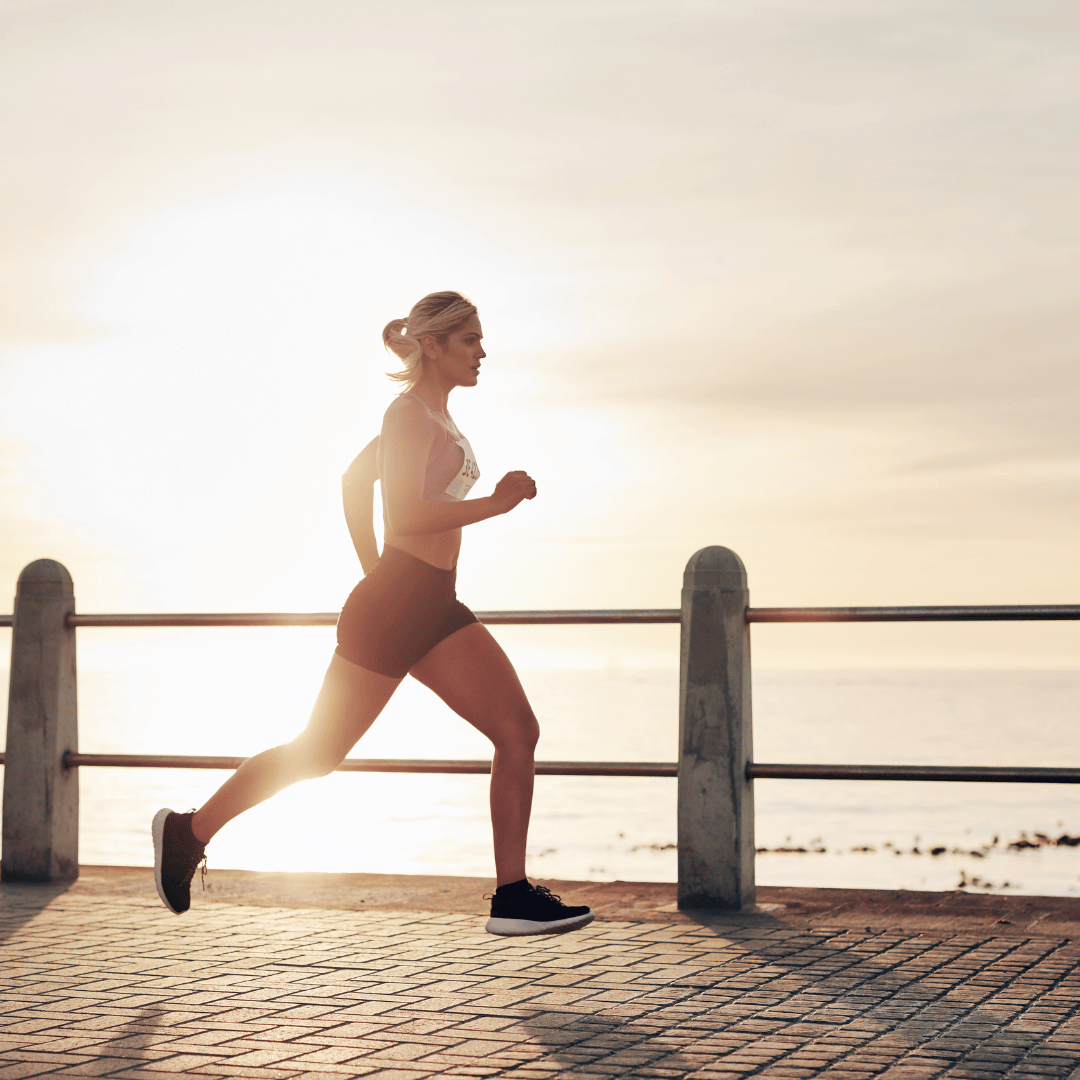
(436, 549)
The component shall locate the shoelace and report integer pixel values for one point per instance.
(547, 894)
(198, 862)
(192, 861)
(541, 891)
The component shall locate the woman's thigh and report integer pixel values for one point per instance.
(350, 700)
(472, 674)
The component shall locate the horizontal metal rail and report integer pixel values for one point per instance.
(950, 613)
(329, 618)
(229, 618)
(387, 765)
(953, 613)
(974, 774)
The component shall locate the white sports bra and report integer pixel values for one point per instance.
(451, 468)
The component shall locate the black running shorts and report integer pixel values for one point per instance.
(399, 613)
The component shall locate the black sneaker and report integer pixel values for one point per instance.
(177, 855)
(523, 908)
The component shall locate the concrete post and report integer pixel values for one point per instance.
(41, 797)
(716, 801)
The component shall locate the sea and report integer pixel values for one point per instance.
(230, 691)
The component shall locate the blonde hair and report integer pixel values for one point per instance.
(438, 314)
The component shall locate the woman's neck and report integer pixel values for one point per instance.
(434, 397)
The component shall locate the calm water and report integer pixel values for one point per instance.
(235, 692)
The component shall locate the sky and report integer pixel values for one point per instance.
(798, 277)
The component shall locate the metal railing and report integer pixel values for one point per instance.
(971, 774)
(946, 613)
(940, 613)
(715, 770)
(601, 616)
(382, 765)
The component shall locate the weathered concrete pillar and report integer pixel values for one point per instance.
(41, 797)
(716, 801)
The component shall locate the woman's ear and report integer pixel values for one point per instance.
(429, 346)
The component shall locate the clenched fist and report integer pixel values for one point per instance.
(512, 488)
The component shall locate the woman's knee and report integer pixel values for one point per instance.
(531, 732)
(519, 734)
(310, 760)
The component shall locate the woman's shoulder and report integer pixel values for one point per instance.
(404, 405)
(410, 414)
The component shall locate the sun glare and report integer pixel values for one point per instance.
(236, 371)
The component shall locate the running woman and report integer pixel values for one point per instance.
(404, 618)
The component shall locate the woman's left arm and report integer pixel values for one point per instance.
(358, 496)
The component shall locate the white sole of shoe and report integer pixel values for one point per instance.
(521, 927)
(157, 828)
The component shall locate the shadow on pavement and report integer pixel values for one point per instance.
(20, 902)
(766, 991)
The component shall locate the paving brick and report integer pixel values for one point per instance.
(398, 1074)
(19, 1069)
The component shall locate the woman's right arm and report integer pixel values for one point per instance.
(357, 494)
(408, 435)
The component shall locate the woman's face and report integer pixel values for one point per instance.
(458, 361)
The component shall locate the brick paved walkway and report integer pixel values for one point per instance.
(98, 985)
